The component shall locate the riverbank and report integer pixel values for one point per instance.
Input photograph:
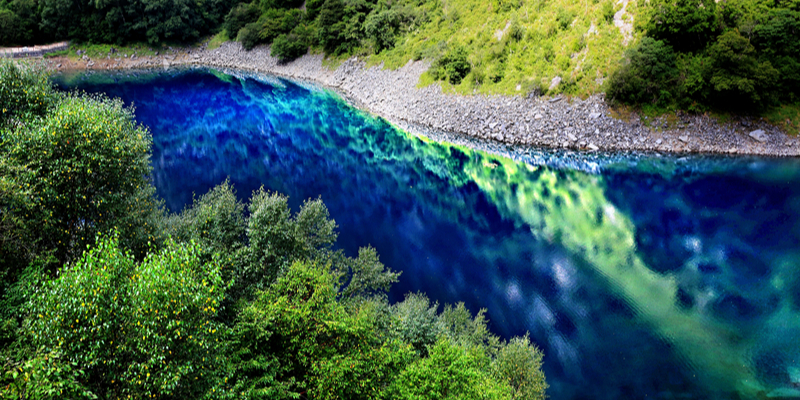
(558, 122)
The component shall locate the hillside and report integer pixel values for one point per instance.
(732, 57)
(525, 47)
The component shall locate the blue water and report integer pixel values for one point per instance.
(639, 276)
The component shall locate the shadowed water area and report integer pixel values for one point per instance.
(639, 276)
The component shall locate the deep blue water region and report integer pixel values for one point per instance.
(640, 276)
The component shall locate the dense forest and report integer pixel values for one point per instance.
(105, 295)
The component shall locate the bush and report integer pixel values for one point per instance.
(648, 75)
(608, 11)
(25, 92)
(46, 375)
(276, 22)
(240, 16)
(249, 35)
(564, 18)
(452, 66)
(136, 329)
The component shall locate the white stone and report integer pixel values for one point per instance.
(684, 139)
(554, 83)
(759, 136)
(593, 147)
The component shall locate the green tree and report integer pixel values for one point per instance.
(288, 47)
(9, 27)
(452, 371)
(25, 93)
(519, 363)
(215, 221)
(777, 40)
(739, 79)
(331, 23)
(418, 322)
(297, 337)
(86, 165)
(240, 16)
(384, 26)
(648, 75)
(276, 22)
(137, 329)
(687, 25)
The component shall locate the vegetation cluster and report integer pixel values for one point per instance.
(25, 22)
(105, 295)
(696, 55)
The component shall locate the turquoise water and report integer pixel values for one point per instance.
(639, 276)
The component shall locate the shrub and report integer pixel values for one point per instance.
(46, 375)
(25, 92)
(608, 11)
(239, 16)
(564, 18)
(452, 66)
(649, 75)
(249, 35)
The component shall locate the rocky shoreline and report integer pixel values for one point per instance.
(559, 122)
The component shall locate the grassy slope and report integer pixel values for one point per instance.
(555, 41)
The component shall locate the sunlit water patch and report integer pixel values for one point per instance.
(640, 276)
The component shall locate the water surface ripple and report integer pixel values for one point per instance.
(640, 276)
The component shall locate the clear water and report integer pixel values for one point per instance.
(639, 276)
